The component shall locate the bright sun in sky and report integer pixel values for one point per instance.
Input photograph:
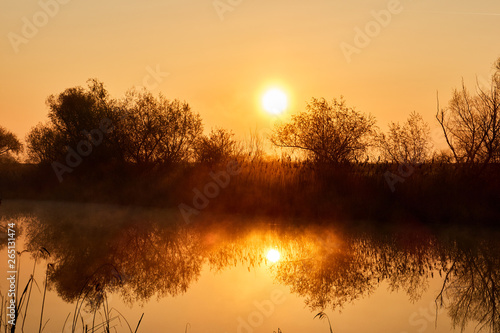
(273, 256)
(275, 101)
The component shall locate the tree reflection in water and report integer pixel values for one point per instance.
(142, 254)
(471, 286)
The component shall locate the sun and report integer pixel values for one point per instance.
(273, 256)
(275, 101)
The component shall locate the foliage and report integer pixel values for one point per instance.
(73, 114)
(156, 131)
(327, 132)
(9, 143)
(44, 144)
(141, 129)
(216, 147)
(409, 143)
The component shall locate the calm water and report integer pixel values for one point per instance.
(233, 274)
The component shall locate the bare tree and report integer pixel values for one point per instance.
(470, 288)
(409, 143)
(471, 123)
(489, 105)
(327, 132)
(252, 148)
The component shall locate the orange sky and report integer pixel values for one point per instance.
(221, 59)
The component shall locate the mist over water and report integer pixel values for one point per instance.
(99, 258)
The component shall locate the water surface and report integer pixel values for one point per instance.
(112, 264)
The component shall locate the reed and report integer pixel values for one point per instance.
(110, 317)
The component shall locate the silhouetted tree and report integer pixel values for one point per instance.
(489, 101)
(156, 131)
(409, 143)
(216, 147)
(75, 115)
(87, 124)
(9, 143)
(327, 132)
(471, 123)
(442, 156)
(44, 144)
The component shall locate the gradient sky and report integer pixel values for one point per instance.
(221, 63)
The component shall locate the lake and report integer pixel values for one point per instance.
(96, 267)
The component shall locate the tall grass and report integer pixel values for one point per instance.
(288, 188)
(110, 318)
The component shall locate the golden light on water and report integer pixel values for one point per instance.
(273, 255)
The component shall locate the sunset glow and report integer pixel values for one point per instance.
(273, 256)
(250, 166)
(275, 101)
